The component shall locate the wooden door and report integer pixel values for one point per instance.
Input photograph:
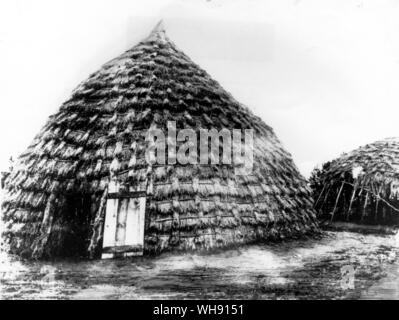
(124, 226)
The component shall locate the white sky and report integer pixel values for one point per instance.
(323, 74)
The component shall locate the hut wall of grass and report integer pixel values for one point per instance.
(55, 196)
(360, 186)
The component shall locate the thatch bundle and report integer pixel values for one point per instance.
(56, 195)
(362, 185)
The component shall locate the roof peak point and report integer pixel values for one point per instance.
(158, 33)
(159, 27)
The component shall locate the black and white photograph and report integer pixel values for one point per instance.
(207, 150)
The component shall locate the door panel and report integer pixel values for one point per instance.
(135, 222)
(110, 223)
(124, 227)
(121, 223)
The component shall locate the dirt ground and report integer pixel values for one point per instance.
(341, 265)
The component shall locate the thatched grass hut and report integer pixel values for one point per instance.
(360, 186)
(60, 190)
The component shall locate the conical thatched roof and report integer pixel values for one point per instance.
(362, 185)
(55, 195)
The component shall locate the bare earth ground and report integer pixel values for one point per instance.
(341, 265)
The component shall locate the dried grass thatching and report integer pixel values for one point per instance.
(55, 196)
(362, 185)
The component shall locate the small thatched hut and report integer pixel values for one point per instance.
(83, 186)
(360, 186)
